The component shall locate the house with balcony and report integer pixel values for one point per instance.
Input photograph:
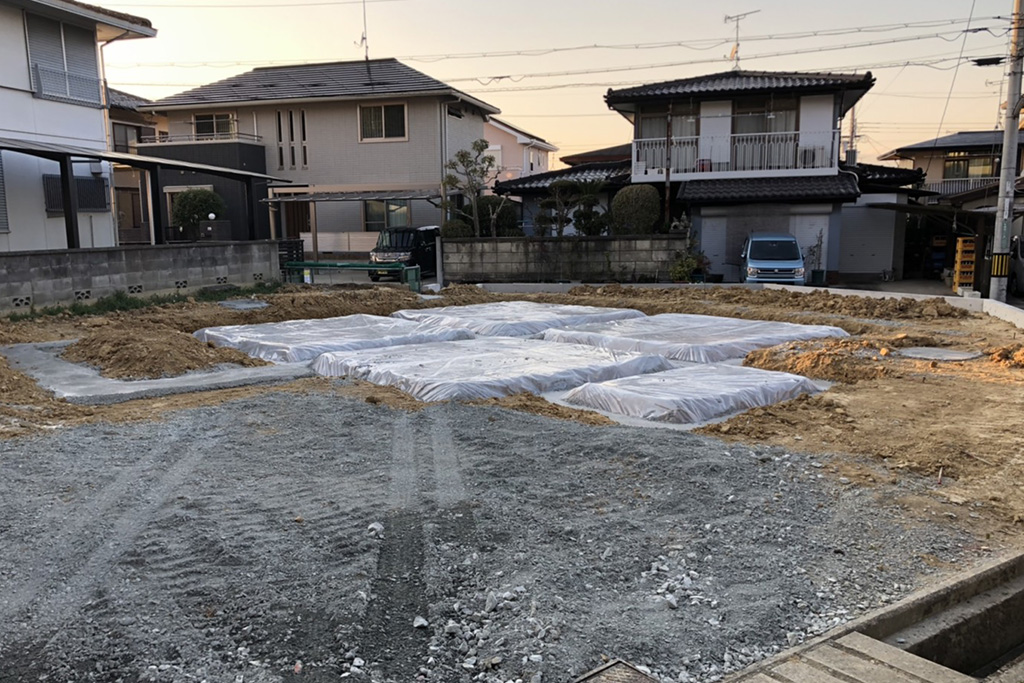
(741, 151)
(130, 123)
(956, 163)
(364, 144)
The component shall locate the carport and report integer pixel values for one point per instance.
(65, 155)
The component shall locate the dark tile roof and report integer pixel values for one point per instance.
(616, 153)
(841, 187)
(741, 82)
(120, 16)
(357, 79)
(888, 176)
(963, 140)
(119, 99)
(614, 173)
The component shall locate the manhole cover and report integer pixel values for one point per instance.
(933, 353)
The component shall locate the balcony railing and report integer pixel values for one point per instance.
(754, 154)
(55, 84)
(232, 136)
(958, 185)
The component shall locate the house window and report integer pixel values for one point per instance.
(964, 165)
(4, 225)
(62, 61)
(653, 121)
(380, 214)
(92, 195)
(752, 115)
(214, 126)
(382, 122)
(125, 137)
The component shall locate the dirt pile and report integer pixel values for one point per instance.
(1010, 356)
(531, 403)
(26, 408)
(841, 360)
(149, 352)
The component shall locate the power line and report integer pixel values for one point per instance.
(952, 82)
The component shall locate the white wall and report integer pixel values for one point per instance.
(715, 120)
(872, 239)
(22, 116)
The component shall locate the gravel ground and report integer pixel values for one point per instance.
(314, 537)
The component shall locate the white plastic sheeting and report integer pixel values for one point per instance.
(695, 338)
(485, 368)
(514, 318)
(692, 394)
(302, 340)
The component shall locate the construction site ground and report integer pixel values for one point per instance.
(320, 528)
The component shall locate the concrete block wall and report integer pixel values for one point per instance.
(549, 259)
(47, 278)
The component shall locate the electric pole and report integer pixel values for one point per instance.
(1008, 173)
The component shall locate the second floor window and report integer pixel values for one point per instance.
(652, 123)
(213, 126)
(962, 165)
(382, 122)
(764, 115)
(125, 137)
(63, 61)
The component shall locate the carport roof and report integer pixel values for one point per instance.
(353, 196)
(49, 150)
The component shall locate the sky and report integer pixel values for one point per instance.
(548, 63)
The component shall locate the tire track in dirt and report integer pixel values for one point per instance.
(84, 546)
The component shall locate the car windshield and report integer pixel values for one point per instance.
(396, 239)
(774, 250)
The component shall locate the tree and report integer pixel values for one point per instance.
(563, 196)
(635, 210)
(497, 216)
(194, 206)
(586, 218)
(470, 172)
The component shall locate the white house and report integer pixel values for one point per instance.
(52, 97)
(747, 150)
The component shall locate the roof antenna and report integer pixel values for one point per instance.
(736, 19)
(363, 40)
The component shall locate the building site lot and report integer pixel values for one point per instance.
(322, 528)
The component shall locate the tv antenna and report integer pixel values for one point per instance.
(364, 42)
(736, 19)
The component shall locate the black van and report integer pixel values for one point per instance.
(411, 246)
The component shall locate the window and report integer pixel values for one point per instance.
(653, 121)
(4, 225)
(125, 137)
(967, 165)
(62, 61)
(214, 126)
(753, 115)
(92, 194)
(382, 122)
(291, 138)
(379, 214)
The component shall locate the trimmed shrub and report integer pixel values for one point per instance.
(455, 228)
(635, 209)
(191, 207)
(507, 222)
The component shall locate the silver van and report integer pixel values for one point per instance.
(772, 257)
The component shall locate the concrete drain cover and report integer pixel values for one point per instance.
(244, 304)
(933, 353)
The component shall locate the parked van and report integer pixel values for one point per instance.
(411, 246)
(772, 257)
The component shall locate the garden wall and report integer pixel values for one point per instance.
(645, 258)
(45, 278)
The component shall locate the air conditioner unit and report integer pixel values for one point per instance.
(811, 157)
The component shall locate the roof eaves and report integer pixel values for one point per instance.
(160, 106)
(101, 15)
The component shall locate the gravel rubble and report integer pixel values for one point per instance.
(316, 537)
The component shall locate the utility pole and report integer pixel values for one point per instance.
(736, 19)
(1000, 271)
(668, 169)
(851, 150)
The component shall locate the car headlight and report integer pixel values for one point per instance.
(751, 271)
(403, 256)
(799, 272)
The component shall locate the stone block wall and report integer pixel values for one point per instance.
(645, 258)
(46, 278)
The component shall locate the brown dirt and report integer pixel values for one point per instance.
(899, 414)
(149, 352)
(531, 403)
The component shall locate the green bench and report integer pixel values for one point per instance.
(303, 271)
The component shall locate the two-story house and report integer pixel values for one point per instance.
(517, 154)
(956, 163)
(52, 97)
(747, 150)
(130, 123)
(364, 143)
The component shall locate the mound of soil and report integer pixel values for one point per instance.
(1010, 356)
(149, 352)
(844, 360)
(531, 403)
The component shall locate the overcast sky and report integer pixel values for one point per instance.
(557, 93)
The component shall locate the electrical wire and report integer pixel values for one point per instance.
(952, 82)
